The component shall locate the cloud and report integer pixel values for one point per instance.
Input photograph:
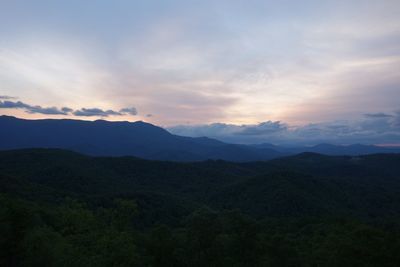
(34, 109)
(130, 111)
(307, 61)
(91, 112)
(396, 120)
(83, 112)
(378, 115)
(378, 128)
(7, 97)
(67, 110)
(264, 128)
(11, 104)
(47, 111)
(245, 133)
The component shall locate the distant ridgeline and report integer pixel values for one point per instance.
(144, 140)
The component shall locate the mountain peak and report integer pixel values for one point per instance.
(119, 138)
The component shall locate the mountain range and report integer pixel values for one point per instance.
(144, 140)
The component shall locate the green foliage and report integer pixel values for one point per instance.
(71, 234)
(42, 246)
(62, 209)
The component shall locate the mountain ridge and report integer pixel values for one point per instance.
(145, 140)
(105, 138)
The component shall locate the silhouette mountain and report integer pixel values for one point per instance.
(144, 140)
(105, 138)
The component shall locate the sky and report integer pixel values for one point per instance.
(241, 71)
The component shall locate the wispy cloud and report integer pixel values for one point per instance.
(34, 109)
(90, 112)
(83, 112)
(67, 110)
(130, 111)
(378, 115)
(221, 61)
(7, 97)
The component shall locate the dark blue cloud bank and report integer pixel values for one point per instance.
(83, 112)
(374, 128)
(92, 112)
(34, 109)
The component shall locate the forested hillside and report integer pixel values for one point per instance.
(60, 208)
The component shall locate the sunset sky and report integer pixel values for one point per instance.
(241, 71)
